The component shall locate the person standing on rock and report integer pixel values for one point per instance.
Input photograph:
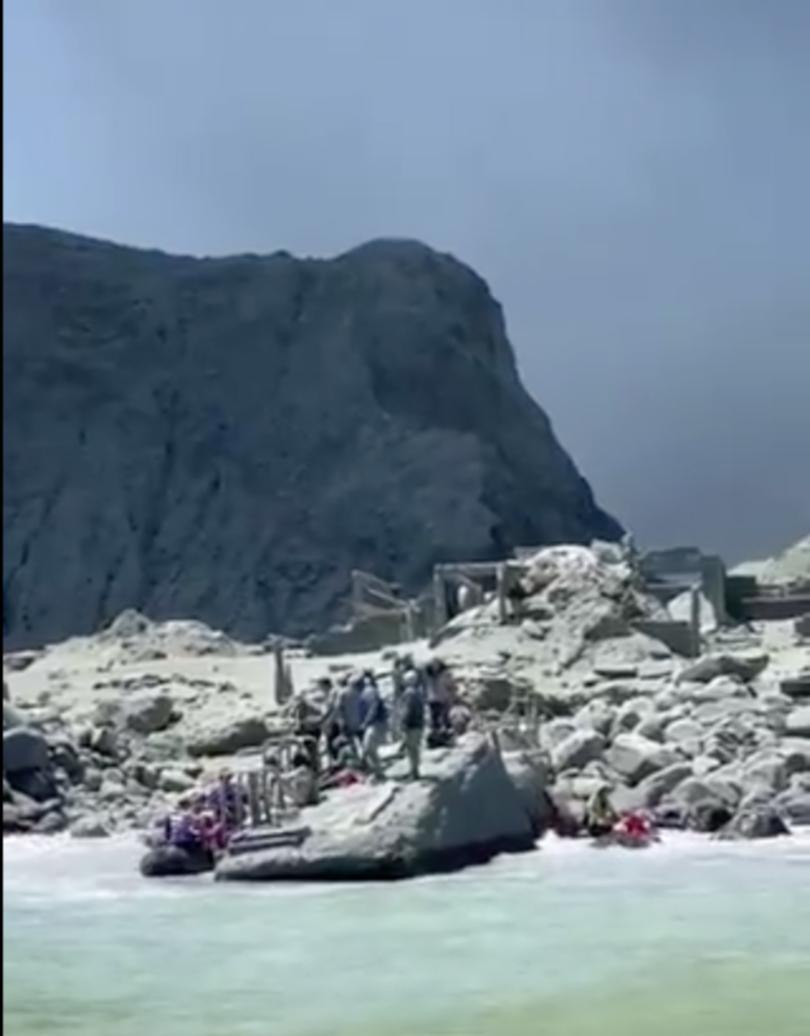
(440, 692)
(375, 724)
(412, 720)
(350, 711)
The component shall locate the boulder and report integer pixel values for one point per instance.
(174, 780)
(51, 824)
(635, 757)
(12, 717)
(227, 736)
(797, 723)
(65, 757)
(578, 749)
(632, 713)
(595, 715)
(24, 749)
(464, 810)
(90, 826)
(758, 821)
(652, 727)
(148, 711)
(703, 804)
(795, 805)
(529, 772)
(554, 732)
(746, 665)
(649, 792)
(682, 731)
(765, 770)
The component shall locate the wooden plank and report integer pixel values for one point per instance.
(253, 798)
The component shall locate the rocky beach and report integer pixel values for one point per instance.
(106, 733)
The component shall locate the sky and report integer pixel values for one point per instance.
(632, 178)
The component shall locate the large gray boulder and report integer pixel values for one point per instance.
(160, 440)
(649, 792)
(529, 772)
(226, 736)
(90, 825)
(464, 810)
(746, 665)
(635, 757)
(797, 723)
(147, 712)
(577, 750)
(756, 821)
(24, 749)
(795, 805)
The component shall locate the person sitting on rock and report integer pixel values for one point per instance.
(600, 816)
(185, 831)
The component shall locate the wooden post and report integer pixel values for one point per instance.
(500, 577)
(279, 688)
(439, 599)
(253, 798)
(240, 801)
(694, 619)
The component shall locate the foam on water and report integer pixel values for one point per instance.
(687, 933)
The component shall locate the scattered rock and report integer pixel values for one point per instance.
(228, 736)
(555, 731)
(632, 713)
(147, 712)
(754, 822)
(175, 781)
(595, 715)
(90, 826)
(579, 748)
(794, 805)
(648, 793)
(635, 757)
(798, 722)
(684, 730)
(616, 671)
(746, 665)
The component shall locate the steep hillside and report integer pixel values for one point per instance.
(226, 439)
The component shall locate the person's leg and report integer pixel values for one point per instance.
(371, 744)
(413, 747)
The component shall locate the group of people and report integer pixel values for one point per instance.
(354, 719)
(205, 821)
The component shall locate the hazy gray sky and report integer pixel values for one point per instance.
(631, 177)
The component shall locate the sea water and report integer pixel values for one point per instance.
(691, 937)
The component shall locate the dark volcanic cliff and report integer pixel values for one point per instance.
(226, 439)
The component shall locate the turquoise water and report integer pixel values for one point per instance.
(690, 937)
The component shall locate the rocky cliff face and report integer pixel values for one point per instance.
(227, 438)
